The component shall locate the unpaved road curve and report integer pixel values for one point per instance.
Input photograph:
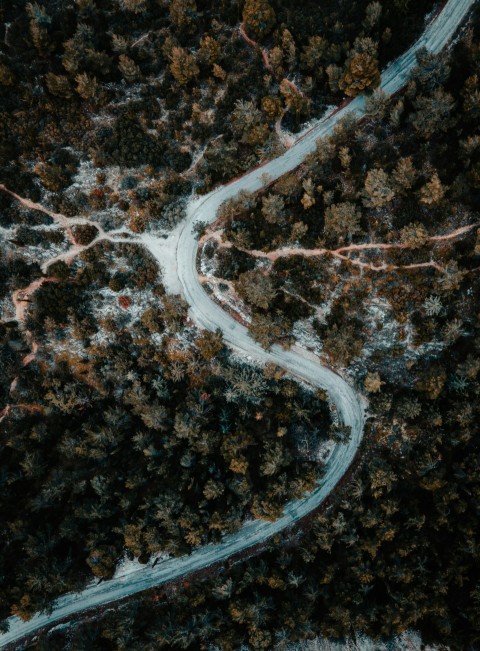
(296, 361)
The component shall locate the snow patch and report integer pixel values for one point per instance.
(127, 566)
(164, 250)
(408, 641)
(324, 451)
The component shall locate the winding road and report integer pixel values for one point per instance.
(296, 361)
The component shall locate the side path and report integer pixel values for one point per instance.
(296, 361)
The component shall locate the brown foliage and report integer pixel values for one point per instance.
(362, 73)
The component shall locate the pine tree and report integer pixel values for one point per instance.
(7, 78)
(334, 74)
(209, 344)
(152, 320)
(183, 66)
(219, 72)
(264, 329)
(376, 103)
(245, 116)
(288, 47)
(135, 6)
(183, 14)
(342, 344)
(314, 54)
(59, 85)
(128, 68)
(273, 208)
(294, 100)
(258, 18)
(362, 72)
(433, 191)
(39, 24)
(372, 15)
(373, 383)
(471, 97)
(272, 107)
(396, 114)
(432, 306)
(404, 175)
(272, 459)
(276, 61)
(433, 113)
(87, 87)
(342, 219)
(223, 590)
(119, 43)
(414, 235)
(378, 191)
(213, 489)
(451, 278)
(210, 49)
(256, 288)
(431, 70)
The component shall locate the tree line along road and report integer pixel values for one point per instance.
(297, 362)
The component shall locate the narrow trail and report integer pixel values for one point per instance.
(66, 222)
(266, 59)
(253, 44)
(297, 362)
(22, 297)
(115, 236)
(340, 252)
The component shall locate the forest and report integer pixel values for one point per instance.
(136, 440)
(174, 87)
(126, 432)
(380, 225)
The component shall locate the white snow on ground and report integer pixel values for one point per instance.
(7, 309)
(39, 252)
(164, 250)
(106, 303)
(305, 335)
(65, 342)
(380, 312)
(303, 365)
(85, 178)
(126, 566)
(6, 233)
(207, 265)
(228, 300)
(43, 255)
(308, 126)
(325, 450)
(408, 641)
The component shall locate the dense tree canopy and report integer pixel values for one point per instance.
(127, 432)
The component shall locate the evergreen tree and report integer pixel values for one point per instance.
(258, 18)
(183, 66)
(378, 191)
(128, 68)
(362, 73)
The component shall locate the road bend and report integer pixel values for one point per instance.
(296, 361)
